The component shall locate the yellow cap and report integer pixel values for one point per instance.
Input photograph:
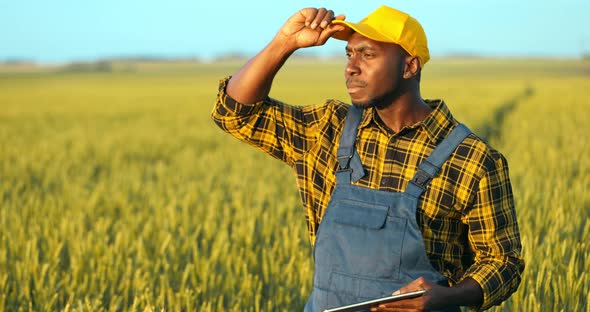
(390, 25)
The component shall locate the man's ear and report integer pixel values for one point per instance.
(412, 67)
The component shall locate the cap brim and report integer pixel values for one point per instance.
(363, 29)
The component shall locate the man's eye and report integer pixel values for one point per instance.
(369, 55)
(348, 55)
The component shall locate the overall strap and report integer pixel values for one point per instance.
(432, 164)
(349, 162)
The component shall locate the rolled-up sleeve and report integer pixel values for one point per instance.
(494, 235)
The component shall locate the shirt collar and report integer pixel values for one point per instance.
(437, 124)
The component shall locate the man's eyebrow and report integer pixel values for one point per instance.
(360, 48)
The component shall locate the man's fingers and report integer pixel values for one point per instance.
(327, 19)
(417, 284)
(311, 27)
(310, 14)
(328, 32)
(402, 305)
(340, 17)
(407, 288)
(319, 17)
(414, 304)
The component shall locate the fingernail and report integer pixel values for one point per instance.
(324, 24)
(306, 24)
(314, 25)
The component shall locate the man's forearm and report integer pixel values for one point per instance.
(252, 82)
(307, 28)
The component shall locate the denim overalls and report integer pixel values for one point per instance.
(368, 243)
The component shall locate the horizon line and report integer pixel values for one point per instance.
(244, 56)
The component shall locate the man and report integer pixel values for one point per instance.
(386, 211)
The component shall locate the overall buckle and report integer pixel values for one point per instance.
(344, 160)
(421, 179)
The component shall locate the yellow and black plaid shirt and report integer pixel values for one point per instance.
(466, 215)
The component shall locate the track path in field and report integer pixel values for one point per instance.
(492, 130)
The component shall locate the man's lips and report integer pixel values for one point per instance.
(355, 86)
(353, 89)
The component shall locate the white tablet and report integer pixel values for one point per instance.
(367, 304)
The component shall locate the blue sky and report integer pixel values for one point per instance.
(66, 30)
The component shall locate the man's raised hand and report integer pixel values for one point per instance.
(309, 27)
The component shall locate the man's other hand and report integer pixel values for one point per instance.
(434, 298)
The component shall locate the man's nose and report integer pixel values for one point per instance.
(352, 67)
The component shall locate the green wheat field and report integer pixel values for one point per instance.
(118, 193)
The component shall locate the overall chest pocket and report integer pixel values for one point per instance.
(361, 239)
(359, 214)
